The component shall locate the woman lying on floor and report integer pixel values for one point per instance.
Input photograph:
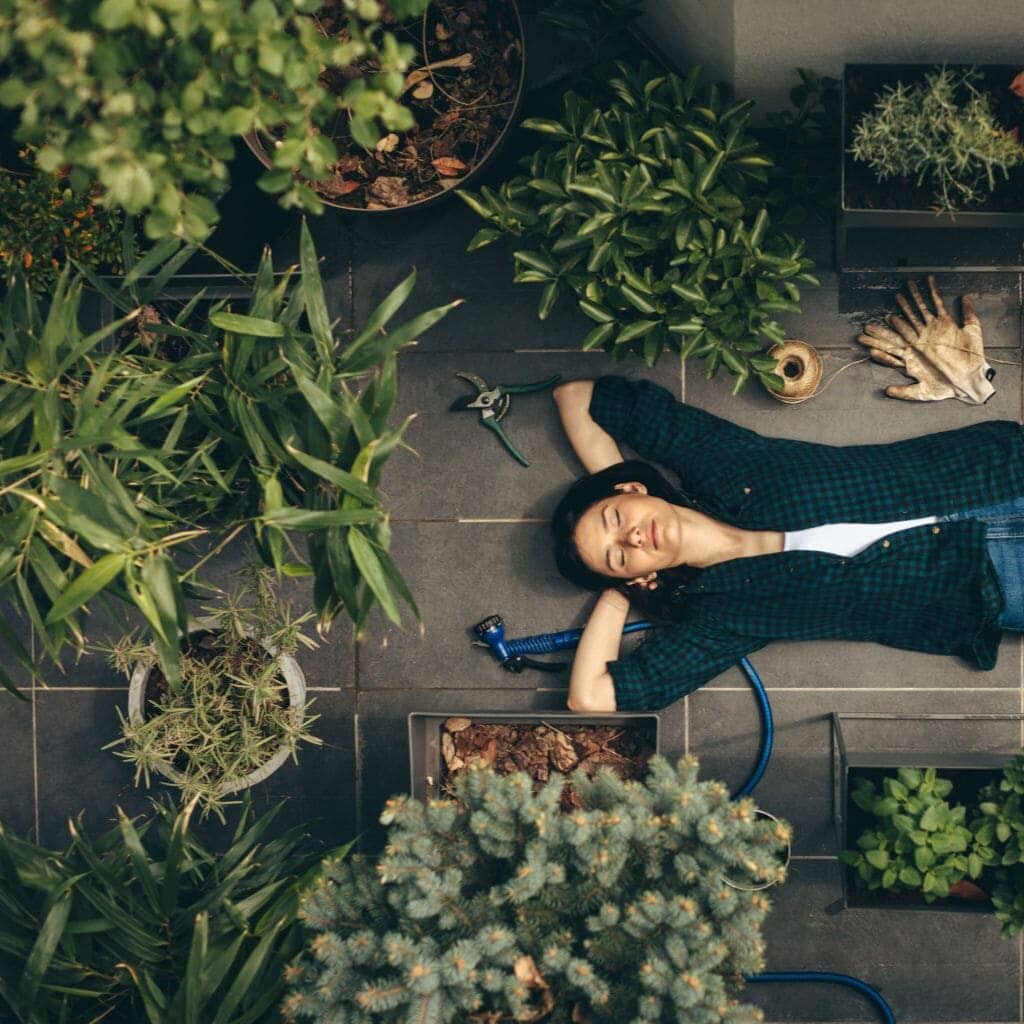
(917, 544)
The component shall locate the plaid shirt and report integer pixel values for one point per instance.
(929, 588)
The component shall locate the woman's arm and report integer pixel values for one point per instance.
(593, 445)
(590, 685)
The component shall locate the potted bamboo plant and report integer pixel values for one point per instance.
(146, 922)
(271, 422)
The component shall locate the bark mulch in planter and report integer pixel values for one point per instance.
(864, 86)
(461, 90)
(543, 750)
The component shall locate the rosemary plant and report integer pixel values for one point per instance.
(230, 712)
(941, 131)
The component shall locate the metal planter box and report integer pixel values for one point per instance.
(969, 772)
(861, 84)
(425, 737)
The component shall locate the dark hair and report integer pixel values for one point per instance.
(591, 489)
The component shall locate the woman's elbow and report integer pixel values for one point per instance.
(592, 704)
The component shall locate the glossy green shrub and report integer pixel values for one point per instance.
(147, 97)
(650, 216)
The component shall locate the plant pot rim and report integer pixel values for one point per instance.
(255, 144)
(293, 676)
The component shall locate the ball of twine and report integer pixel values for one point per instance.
(799, 366)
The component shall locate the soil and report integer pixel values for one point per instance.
(863, 191)
(543, 750)
(461, 89)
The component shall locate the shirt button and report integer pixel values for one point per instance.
(885, 543)
(746, 490)
(935, 529)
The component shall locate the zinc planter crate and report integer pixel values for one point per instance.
(425, 761)
(968, 772)
(988, 238)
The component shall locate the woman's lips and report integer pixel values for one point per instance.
(654, 535)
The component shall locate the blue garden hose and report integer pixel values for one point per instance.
(827, 977)
(513, 655)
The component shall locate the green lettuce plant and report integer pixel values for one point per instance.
(650, 215)
(1000, 822)
(117, 448)
(939, 131)
(146, 924)
(148, 97)
(920, 843)
(497, 906)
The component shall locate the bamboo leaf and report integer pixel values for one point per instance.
(247, 325)
(143, 869)
(312, 290)
(340, 477)
(307, 519)
(371, 570)
(86, 585)
(45, 945)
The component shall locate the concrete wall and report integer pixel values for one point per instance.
(757, 43)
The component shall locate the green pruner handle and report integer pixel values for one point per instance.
(522, 389)
(494, 425)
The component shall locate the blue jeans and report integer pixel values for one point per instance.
(1006, 549)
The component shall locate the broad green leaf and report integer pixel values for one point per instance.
(143, 869)
(306, 519)
(247, 325)
(340, 477)
(312, 290)
(38, 962)
(373, 573)
(86, 585)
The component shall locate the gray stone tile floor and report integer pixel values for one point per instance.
(471, 537)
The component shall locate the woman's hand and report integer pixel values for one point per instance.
(593, 445)
(591, 688)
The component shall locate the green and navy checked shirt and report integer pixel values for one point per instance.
(929, 588)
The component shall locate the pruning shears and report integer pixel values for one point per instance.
(494, 402)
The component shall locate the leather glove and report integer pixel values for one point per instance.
(946, 361)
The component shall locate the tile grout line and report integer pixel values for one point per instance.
(686, 725)
(35, 744)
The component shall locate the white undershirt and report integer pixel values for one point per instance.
(846, 538)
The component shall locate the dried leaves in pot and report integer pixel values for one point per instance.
(461, 91)
(542, 750)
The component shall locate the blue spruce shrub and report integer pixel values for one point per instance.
(498, 906)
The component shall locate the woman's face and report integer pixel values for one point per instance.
(629, 536)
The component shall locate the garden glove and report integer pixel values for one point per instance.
(945, 360)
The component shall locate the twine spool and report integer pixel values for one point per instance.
(799, 366)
